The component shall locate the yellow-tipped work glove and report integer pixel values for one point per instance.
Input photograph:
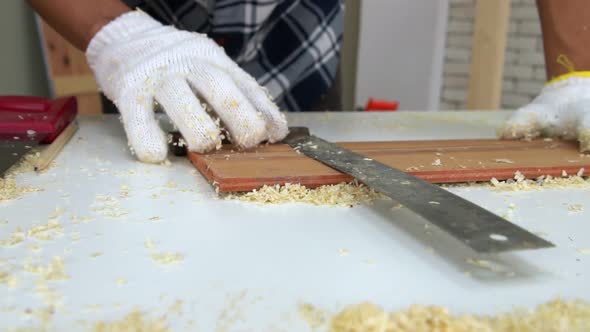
(562, 109)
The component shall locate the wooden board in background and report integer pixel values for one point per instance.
(68, 71)
(460, 161)
(490, 37)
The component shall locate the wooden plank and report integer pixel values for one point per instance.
(89, 104)
(487, 56)
(460, 161)
(69, 73)
(74, 84)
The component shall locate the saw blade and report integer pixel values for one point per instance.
(469, 223)
(12, 151)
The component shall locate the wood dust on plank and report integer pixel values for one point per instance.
(520, 183)
(343, 194)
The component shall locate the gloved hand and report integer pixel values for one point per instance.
(561, 110)
(138, 61)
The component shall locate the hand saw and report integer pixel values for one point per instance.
(469, 223)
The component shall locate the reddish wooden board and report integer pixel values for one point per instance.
(460, 161)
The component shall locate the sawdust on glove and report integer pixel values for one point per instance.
(138, 62)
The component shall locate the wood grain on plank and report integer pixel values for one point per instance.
(450, 161)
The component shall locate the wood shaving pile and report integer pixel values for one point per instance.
(9, 190)
(555, 316)
(16, 237)
(26, 164)
(521, 183)
(8, 279)
(167, 257)
(134, 321)
(44, 232)
(575, 208)
(53, 271)
(162, 258)
(47, 231)
(314, 317)
(109, 207)
(50, 296)
(343, 194)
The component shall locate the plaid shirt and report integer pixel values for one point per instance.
(292, 47)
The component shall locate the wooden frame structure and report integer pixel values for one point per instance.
(67, 70)
(487, 54)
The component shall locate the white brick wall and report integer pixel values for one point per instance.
(524, 72)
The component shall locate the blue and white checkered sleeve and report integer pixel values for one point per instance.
(298, 58)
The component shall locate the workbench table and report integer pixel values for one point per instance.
(248, 267)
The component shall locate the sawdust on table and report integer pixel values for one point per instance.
(8, 279)
(109, 207)
(164, 257)
(556, 315)
(342, 194)
(167, 257)
(54, 270)
(9, 189)
(135, 321)
(45, 232)
(314, 317)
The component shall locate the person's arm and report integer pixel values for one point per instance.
(562, 109)
(137, 61)
(566, 32)
(78, 20)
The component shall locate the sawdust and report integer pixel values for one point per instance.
(51, 272)
(575, 208)
(108, 207)
(314, 317)
(9, 189)
(8, 279)
(45, 232)
(555, 316)
(162, 258)
(136, 321)
(16, 237)
(343, 194)
(167, 257)
(520, 183)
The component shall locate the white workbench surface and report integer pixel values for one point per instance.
(247, 267)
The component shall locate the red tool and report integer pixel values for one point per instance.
(376, 105)
(33, 117)
(27, 121)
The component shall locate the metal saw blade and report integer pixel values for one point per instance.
(469, 223)
(11, 151)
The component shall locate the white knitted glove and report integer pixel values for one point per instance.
(138, 61)
(561, 110)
